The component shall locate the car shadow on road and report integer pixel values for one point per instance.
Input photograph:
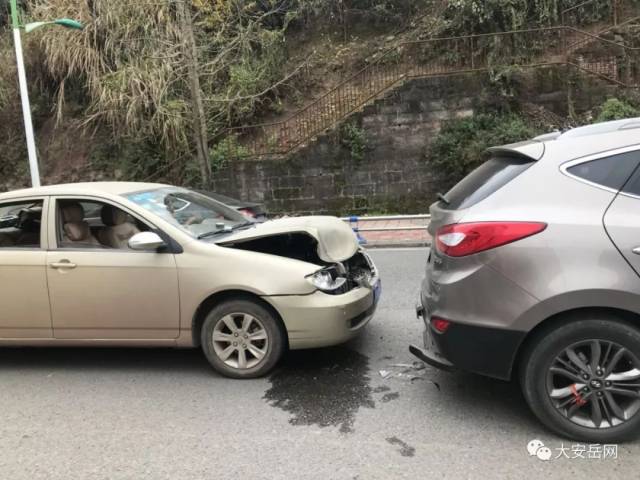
(465, 395)
(325, 387)
(105, 359)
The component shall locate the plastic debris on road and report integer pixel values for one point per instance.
(407, 371)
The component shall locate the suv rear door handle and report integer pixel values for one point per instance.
(63, 264)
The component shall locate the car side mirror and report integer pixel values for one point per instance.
(146, 241)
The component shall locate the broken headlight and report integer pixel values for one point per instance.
(327, 280)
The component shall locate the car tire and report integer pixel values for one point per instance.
(242, 339)
(579, 335)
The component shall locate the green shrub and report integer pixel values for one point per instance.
(616, 109)
(355, 139)
(462, 144)
(483, 16)
(225, 150)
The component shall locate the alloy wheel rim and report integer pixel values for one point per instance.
(240, 340)
(595, 384)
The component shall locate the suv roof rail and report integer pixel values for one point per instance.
(631, 125)
(548, 136)
(604, 127)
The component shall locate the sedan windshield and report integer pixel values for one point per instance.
(194, 213)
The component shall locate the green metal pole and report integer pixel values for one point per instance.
(14, 14)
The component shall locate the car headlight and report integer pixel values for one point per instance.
(326, 280)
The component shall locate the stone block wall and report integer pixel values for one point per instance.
(394, 174)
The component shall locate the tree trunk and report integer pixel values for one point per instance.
(197, 106)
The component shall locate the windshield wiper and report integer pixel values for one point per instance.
(248, 223)
(226, 230)
(443, 199)
(213, 233)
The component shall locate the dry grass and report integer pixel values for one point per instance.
(127, 57)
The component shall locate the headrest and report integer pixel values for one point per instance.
(112, 216)
(77, 232)
(72, 213)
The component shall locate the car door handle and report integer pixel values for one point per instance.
(636, 250)
(63, 264)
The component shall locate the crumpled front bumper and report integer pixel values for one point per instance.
(320, 319)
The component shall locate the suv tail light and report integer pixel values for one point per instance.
(440, 325)
(461, 239)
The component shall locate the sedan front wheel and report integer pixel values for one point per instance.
(242, 339)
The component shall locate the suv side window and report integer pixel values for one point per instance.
(611, 172)
(632, 187)
(20, 224)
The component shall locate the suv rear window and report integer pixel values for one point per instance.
(611, 172)
(485, 180)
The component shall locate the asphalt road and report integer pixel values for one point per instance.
(326, 414)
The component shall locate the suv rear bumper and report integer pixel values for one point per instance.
(427, 357)
(483, 350)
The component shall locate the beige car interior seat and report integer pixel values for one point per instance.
(75, 229)
(118, 229)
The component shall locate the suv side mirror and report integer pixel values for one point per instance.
(146, 241)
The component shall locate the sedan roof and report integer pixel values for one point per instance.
(88, 188)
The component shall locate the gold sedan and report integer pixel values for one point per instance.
(135, 264)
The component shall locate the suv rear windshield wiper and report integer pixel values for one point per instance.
(443, 199)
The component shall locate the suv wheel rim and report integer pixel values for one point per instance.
(240, 340)
(595, 383)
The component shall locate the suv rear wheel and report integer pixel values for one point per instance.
(582, 379)
(242, 339)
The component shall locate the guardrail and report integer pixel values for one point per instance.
(354, 222)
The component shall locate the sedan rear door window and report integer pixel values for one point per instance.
(20, 224)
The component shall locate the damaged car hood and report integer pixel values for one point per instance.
(336, 241)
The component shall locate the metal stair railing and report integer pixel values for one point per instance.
(439, 57)
(620, 64)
